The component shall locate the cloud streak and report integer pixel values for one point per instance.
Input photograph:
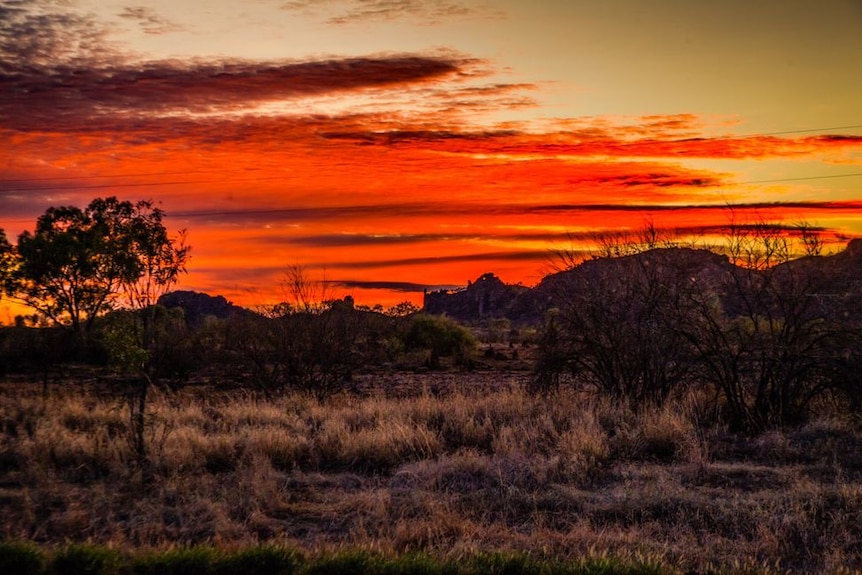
(519, 256)
(449, 209)
(119, 94)
(149, 20)
(34, 38)
(343, 12)
(401, 287)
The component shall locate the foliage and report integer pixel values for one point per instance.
(272, 560)
(8, 265)
(312, 350)
(439, 334)
(769, 344)
(20, 558)
(78, 262)
(616, 319)
(120, 335)
(85, 560)
(769, 334)
(39, 350)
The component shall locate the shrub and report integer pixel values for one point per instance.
(86, 560)
(180, 561)
(19, 558)
(264, 560)
(440, 335)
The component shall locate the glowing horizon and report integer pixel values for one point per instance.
(424, 164)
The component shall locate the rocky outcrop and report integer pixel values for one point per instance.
(196, 306)
(487, 297)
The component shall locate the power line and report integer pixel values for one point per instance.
(808, 130)
(798, 179)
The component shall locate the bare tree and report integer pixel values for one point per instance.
(617, 321)
(811, 238)
(759, 335)
(306, 344)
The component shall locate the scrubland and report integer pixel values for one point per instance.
(448, 465)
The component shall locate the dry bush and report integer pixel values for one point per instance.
(463, 471)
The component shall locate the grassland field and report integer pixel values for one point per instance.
(442, 468)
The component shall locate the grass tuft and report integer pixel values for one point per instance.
(86, 560)
(21, 558)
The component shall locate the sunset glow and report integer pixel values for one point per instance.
(397, 146)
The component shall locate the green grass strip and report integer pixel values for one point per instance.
(25, 558)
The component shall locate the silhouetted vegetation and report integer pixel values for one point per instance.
(440, 337)
(771, 336)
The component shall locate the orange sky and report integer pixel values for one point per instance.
(401, 145)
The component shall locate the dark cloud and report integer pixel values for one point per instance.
(32, 38)
(660, 180)
(529, 255)
(352, 239)
(149, 20)
(648, 208)
(403, 287)
(451, 209)
(651, 140)
(395, 137)
(39, 98)
(839, 138)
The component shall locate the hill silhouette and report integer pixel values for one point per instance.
(828, 276)
(489, 297)
(197, 306)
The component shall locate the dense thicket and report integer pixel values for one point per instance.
(768, 335)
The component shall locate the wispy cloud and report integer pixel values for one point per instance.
(34, 35)
(381, 240)
(150, 21)
(520, 256)
(119, 93)
(624, 141)
(402, 287)
(422, 11)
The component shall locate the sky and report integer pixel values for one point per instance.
(393, 146)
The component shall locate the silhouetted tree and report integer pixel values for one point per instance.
(77, 263)
(617, 323)
(308, 344)
(8, 264)
(762, 335)
(403, 309)
(552, 360)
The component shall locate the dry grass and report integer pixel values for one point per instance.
(488, 468)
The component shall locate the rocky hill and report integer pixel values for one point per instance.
(488, 297)
(198, 306)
